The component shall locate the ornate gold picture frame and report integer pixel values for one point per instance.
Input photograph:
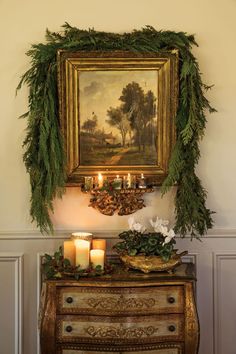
(117, 112)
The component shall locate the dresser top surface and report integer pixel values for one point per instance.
(184, 272)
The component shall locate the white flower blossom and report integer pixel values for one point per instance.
(131, 221)
(164, 230)
(136, 226)
(167, 240)
(171, 233)
(158, 224)
(169, 236)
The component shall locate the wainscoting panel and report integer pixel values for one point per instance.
(224, 302)
(11, 311)
(214, 257)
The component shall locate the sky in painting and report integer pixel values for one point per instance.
(100, 90)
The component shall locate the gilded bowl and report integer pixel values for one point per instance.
(149, 264)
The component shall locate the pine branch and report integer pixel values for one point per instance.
(44, 156)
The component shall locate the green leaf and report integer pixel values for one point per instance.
(57, 256)
(58, 275)
(132, 252)
(48, 257)
(98, 268)
(66, 262)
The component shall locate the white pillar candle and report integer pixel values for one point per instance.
(99, 244)
(82, 253)
(97, 258)
(69, 251)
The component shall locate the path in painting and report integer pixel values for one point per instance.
(115, 159)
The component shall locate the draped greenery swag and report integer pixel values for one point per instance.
(44, 155)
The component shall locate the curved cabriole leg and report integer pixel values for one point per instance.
(192, 330)
(48, 320)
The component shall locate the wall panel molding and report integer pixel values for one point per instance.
(61, 234)
(17, 259)
(39, 285)
(218, 259)
(191, 258)
(214, 273)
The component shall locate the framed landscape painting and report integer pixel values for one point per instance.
(117, 112)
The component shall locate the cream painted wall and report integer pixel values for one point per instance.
(24, 22)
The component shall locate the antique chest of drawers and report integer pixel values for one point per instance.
(123, 313)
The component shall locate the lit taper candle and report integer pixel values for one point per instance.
(100, 180)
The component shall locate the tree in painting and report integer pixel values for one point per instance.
(132, 137)
(140, 109)
(90, 124)
(118, 119)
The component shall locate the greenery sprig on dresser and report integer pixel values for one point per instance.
(44, 154)
(58, 267)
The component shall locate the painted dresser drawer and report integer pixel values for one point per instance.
(157, 349)
(120, 301)
(120, 330)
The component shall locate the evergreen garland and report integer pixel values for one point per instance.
(44, 155)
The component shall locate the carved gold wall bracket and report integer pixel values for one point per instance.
(124, 201)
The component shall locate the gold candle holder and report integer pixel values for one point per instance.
(88, 183)
(118, 182)
(142, 182)
(130, 182)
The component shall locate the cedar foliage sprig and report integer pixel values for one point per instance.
(44, 155)
(57, 267)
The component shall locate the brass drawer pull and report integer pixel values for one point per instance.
(171, 300)
(171, 328)
(69, 329)
(69, 300)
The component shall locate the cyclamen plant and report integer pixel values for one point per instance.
(138, 241)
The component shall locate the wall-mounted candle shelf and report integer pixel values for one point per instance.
(121, 194)
(123, 201)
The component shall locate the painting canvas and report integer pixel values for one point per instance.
(118, 117)
(117, 112)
